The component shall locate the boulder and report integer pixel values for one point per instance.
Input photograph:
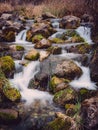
(47, 15)
(43, 44)
(56, 40)
(89, 113)
(8, 116)
(65, 96)
(43, 55)
(68, 69)
(44, 29)
(37, 38)
(8, 66)
(32, 55)
(16, 48)
(40, 82)
(70, 22)
(94, 67)
(55, 50)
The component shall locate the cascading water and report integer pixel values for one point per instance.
(84, 81)
(85, 32)
(21, 81)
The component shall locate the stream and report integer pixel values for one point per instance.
(38, 105)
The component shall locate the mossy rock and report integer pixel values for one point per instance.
(11, 94)
(71, 33)
(32, 55)
(29, 36)
(84, 48)
(77, 39)
(55, 50)
(65, 96)
(59, 124)
(10, 36)
(54, 82)
(56, 40)
(8, 116)
(19, 48)
(7, 65)
(37, 38)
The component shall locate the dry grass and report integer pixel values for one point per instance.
(57, 7)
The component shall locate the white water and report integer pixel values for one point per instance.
(21, 81)
(85, 32)
(84, 81)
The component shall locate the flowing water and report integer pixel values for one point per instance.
(24, 74)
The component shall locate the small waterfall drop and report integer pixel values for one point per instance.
(21, 37)
(85, 32)
(21, 81)
(84, 81)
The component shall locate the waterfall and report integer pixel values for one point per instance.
(21, 37)
(84, 81)
(85, 32)
(21, 81)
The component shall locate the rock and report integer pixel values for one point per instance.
(70, 22)
(47, 15)
(81, 49)
(62, 122)
(89, 113)
(43, 55)
(8, 116)
(55, 50)
(40, 81)
(37, 38)
(7, 65)
(6, 16)
(76, 39)
(56, 40)
(16, 48)
(54, 82)
(43, 44)
(44, 29)
(11, 94)
(65, 96)
(87, 18)
(32, 55)
(68, 69)
(94, 67)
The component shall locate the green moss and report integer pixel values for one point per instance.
(84, 48)
(54, 82)
(37, 38)
(11, 93)
(7, 64)
(57, 40)
(64, 96)
(59, 124)
(19, 48)
(7, 116)
(71, 33)
(29, 36)
(32, 57)
(77, 38)
(10, 36)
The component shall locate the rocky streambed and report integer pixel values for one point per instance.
(48, 74)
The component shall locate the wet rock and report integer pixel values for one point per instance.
(56, 40)
(70, 22)
(32, 55)
(62, 122)
(16, 48)
(94, 66)
(55, 50)
(37, 38)
(76, 39)
(40, 82)
(44, 29)
(47, 15)
(89, 113)
(43, 55)
(43, 44)
(8, 116)
(54, 82)
(81, 49)
(65, 96)
(7, 65)
(68, 69)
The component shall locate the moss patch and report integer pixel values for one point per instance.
(19, 48)
(57, 40)
(37, 38)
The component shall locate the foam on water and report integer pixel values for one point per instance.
(84, 81)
